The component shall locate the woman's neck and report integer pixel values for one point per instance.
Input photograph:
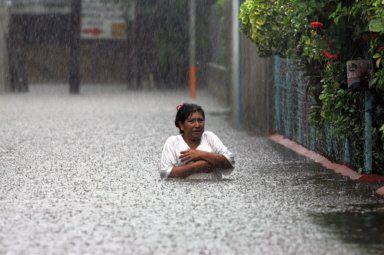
(193, 144)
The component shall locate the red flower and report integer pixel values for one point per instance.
(316, 25)
(329, 56)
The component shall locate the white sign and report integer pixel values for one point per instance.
(38, 6)
(102, 20)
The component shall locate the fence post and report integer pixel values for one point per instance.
(288, 81)
(328, 141)
(312, 144)
(299, 82)
(347, 157)
(368, 132)
(277, 83)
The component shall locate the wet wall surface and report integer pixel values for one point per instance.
(78, 175)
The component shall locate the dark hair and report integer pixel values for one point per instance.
(184, 111)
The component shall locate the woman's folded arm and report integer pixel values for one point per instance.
(216, 160)
(200, 166)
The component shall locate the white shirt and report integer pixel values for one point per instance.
(209, 143)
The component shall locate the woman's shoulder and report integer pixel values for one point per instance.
(173, 139)
(209, 134)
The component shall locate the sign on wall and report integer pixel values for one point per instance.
(102, 19)
(38, 6)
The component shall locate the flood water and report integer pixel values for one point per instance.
(360, 224)
(79, 176)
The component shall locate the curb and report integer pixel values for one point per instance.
(380, 191)
(338, 168)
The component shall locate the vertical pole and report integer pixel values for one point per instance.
(277, 82)
(133, 79)
(192, 48)
(16, 53)
(347, 156)
(312, 144)
(4, 64)
(299, 81)
(21, 56)
(313, 131)
(236, 100)
(328, 142)
(368, 132)
(288, 80)
(74, 55)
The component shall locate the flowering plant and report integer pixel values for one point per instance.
(329, 56)
(316, 25)
(324, 35)
(316, 45)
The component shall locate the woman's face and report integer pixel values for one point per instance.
(193, 126)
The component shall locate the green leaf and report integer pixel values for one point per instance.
(376, 25)
(373, 82)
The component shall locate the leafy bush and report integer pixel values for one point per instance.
(324, 35)
(262, 21)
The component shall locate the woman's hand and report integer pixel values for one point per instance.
(190, 155)
(216, 160)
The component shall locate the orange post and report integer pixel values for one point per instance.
(192, 80)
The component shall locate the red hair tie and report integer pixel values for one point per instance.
(179, 106)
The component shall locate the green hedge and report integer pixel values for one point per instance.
(324, 35)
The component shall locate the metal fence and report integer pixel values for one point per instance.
(292, 117)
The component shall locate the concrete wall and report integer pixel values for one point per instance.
(256, 89)
(4, 69)
(254, 99)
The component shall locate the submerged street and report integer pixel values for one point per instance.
(79, 176)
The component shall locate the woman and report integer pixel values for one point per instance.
(194, 153)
